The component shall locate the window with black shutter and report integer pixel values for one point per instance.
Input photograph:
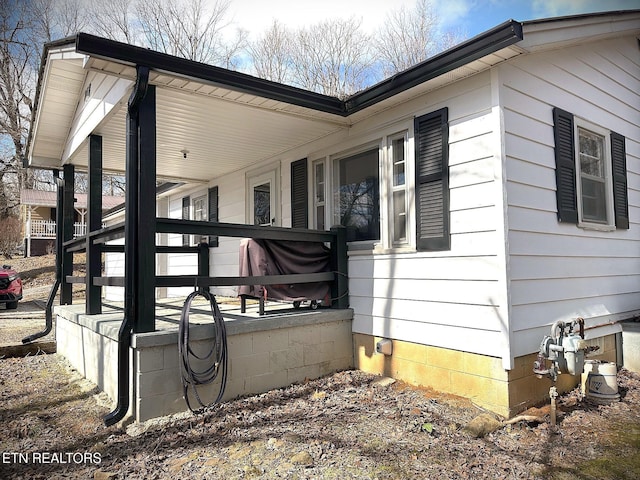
(432, 181)
(591, 173)
(299, 194)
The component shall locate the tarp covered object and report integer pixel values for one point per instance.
(283, 257)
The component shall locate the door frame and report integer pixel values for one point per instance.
(267, 174)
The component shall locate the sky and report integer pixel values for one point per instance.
(470, 17)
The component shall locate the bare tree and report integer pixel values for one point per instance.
(332, 57)
(53, 19)
(115, 19)
(187, 28)
(270, 54)
(10, 226)
(17, 81)
(410, 36)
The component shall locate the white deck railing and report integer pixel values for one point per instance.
(47, 229)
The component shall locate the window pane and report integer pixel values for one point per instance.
(358, 196)
(398, 161)
(591, 153)
(318, 194)
(319, 183)
(593, 200)
(320, 217)
(399, 217)
(200, 208)
(262, 204)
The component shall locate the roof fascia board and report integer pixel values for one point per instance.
(491, 41)
(134, 55)
(503, 35)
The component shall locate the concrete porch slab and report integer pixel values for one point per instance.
(264, 352)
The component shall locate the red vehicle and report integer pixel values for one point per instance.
(10, 287)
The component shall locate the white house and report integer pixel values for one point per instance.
(38, 214)
(487, 192)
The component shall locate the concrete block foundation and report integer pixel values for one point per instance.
(264, 353)
(480, 378)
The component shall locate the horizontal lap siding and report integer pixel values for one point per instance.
(560, 271)
(179, 263)
(452, 299)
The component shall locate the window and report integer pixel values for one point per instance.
(199, 209)
(593, 185)
(357, 195)
(391, 200)
(319, 194)
(263, 196)
(397, 155)
(591, 176)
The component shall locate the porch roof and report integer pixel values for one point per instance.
(212, 121)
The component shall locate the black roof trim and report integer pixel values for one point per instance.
(488, 42)
(503, 35)
(134, 55)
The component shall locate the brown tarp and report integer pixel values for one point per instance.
(282, 257)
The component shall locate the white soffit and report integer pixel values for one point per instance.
(61, 86)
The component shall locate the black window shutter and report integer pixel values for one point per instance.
(619, 169)
(299, 194)
(186, 202)
(432, 181)
(213, 213)
(566, 196)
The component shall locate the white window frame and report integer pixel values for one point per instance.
(315, 203)
(204, 212)
(609, 224)
(390, 189)
(335, 180)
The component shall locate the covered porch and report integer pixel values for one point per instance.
(163, 120)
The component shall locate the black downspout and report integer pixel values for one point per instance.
(54, 290)
(130, 250)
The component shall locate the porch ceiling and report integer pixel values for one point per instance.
(220, 136)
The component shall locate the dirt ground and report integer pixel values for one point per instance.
(349, 425)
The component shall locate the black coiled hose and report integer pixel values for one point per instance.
(215, 361)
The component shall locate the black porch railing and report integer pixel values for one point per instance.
(97, 241)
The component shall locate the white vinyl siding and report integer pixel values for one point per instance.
(454, 298)
(558, 270)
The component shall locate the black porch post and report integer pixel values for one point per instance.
(339, 264)
(145, 319)
(59, 201)
(93, 303)
(68, 199)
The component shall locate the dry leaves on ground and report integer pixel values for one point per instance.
(349, 425)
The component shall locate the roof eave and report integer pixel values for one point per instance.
(491, 41)
(134, 55)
